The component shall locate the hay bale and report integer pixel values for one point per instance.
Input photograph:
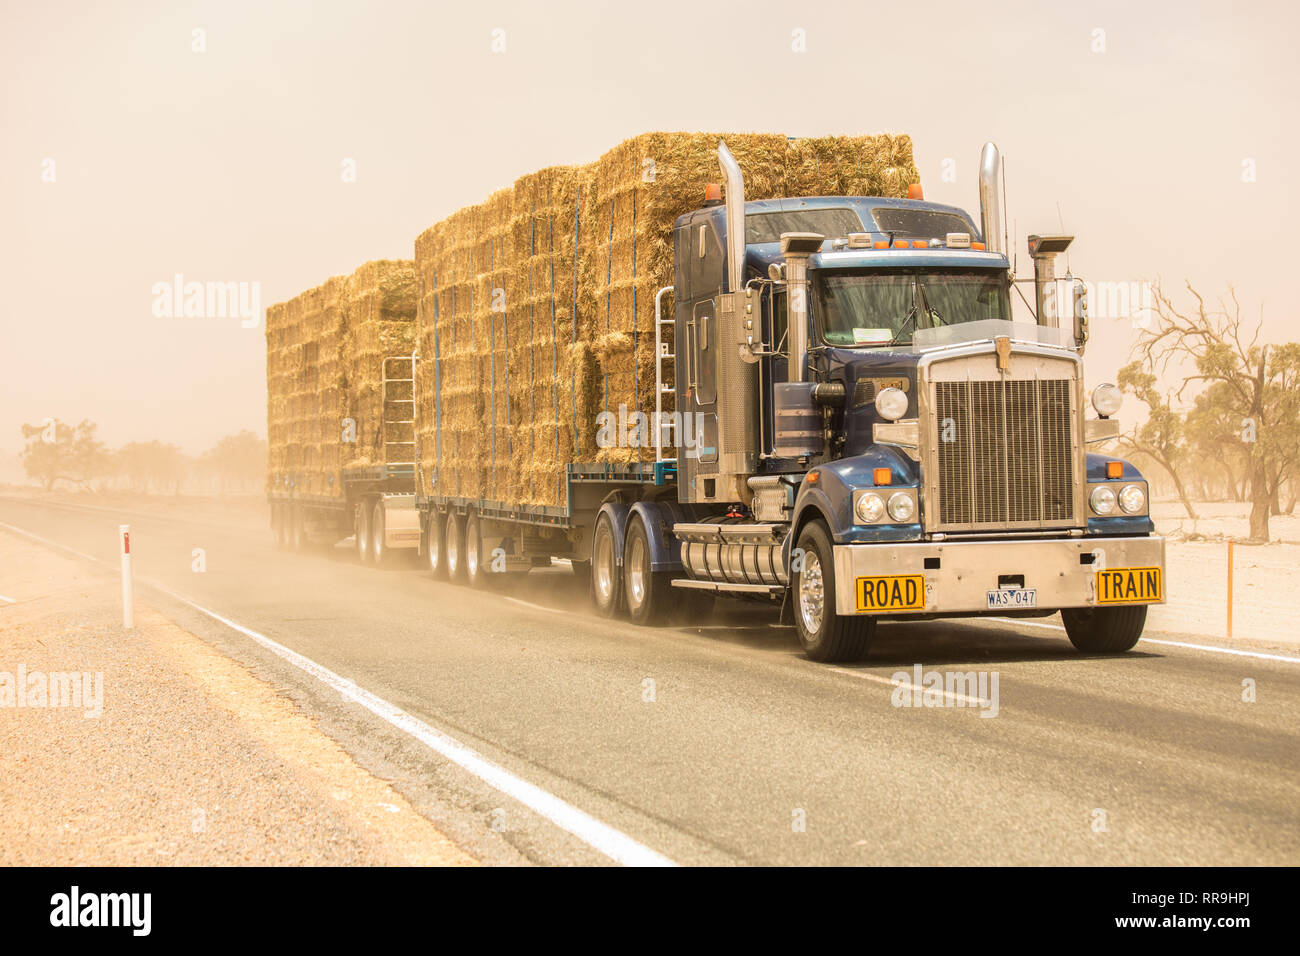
(324, 353)
(537, 306)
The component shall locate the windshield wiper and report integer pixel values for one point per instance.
(932, 313)
(910, 318)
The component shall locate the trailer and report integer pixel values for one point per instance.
(341, 415)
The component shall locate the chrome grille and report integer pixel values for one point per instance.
(1003, 453)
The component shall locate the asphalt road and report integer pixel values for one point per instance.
(720, 743)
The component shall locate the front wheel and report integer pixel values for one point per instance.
(826, 636)
(1105, 630)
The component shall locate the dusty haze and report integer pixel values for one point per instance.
(128, 156)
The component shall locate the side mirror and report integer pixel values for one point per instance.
(1080, 297)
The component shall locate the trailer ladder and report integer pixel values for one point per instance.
(662, 355)
(399, 410)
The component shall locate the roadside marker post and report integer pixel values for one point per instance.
(1229, 590)
(128, 608)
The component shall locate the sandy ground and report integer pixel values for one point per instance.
(192, 761)
(1266, 578)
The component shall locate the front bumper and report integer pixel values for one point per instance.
(1062, 571)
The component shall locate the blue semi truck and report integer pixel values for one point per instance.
(861, 432)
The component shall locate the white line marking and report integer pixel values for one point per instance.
(7, 600)
(535, 607)
(616, 845)
(1226, 650)
(1151, 640)
(969, 701)
(1012, 620)
(52, 544)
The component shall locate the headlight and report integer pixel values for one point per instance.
(1102, 500)
(1133, 499)
(870, 508)
(1106, 398)
(891, 403)
(901, 508)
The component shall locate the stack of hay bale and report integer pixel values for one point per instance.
(324, 350)
(537, 306)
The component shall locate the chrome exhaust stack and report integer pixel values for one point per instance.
(735, 218)
(990, 211)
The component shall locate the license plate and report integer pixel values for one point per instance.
(893, 592)
(1130, 586)
(1004, 598)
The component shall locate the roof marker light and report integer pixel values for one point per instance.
(914, 191)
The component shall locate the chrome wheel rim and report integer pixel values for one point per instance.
(604, 565)
(471, 548)
(453, 557)
(812, 593)
(433, 545)
(636, 577)
(377, 536)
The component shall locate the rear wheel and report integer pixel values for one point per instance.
(363, 532)
(825, 635)
(277, 525)
(380, 555)
(645, 592)
(435, 545)
(476, 572)
(606, 582)
(455, 548)
(1105, 630)
(297, 537)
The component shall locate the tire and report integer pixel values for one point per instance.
(826, 637)
(646, 593)
(476, 571)
(363, 532)
(297, 538)
(606, 580)
(455, 547)
(435, 545)
(381, 556)
(277, 526)
(1105, 630)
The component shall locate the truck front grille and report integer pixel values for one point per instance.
(1003, 453)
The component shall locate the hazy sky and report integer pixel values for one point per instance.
(226, 164)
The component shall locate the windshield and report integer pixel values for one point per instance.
(886, 308)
